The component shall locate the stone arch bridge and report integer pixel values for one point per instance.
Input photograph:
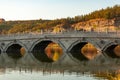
(70, 42)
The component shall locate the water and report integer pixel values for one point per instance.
(13, 74)
(29, 68)
(17, 75)
(59, 72)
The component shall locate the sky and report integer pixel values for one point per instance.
(50, 9)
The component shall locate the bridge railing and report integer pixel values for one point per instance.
(62, 34)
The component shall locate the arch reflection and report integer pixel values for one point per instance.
(113, 51)
(84, 51)
(47, 51)
(15, 51)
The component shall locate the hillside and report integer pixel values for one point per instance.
(100, 20)
(99, 24)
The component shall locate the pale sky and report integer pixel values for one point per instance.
(50, 9)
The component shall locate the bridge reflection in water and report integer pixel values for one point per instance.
(52, 52)
(50, 72)
(92, 65)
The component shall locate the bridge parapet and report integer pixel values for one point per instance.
(62, 35)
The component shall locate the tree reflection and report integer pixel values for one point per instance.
(53, 51)
(22, 51)
(108, 75)
(89, 51)
(79, 71)
(117, 50)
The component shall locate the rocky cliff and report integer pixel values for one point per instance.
(98, 24)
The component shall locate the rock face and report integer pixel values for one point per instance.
(94, 24)
(117, 22)
(2, 20)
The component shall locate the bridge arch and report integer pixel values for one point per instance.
(13, 49)
(38, 49)
(108, 49)
(75, 49)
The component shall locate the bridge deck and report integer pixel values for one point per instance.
(62, 35)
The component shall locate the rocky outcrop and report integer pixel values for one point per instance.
(117, 22)
(96, 24)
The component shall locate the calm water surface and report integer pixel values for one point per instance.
(60, 73)
(101, 70)
(17, 75)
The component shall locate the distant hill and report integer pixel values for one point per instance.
(103, 18)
